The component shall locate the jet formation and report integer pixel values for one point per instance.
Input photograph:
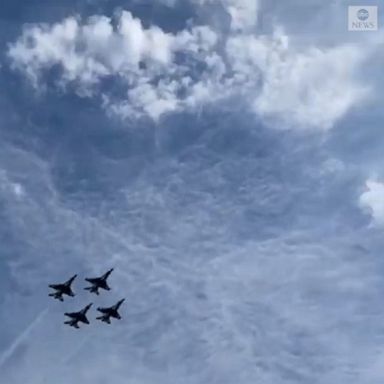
(81, 316)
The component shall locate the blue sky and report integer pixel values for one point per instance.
(225, 157)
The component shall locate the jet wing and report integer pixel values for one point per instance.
(104, 310)
(56, 286)
(74, 315)
(93, 280)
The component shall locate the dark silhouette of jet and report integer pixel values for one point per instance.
(99, 283)
(109, 312)
(77, 317)
(62, 289)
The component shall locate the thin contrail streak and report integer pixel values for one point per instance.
(19, 339)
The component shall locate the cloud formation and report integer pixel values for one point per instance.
(192, 239)
(160, 72)
(372, 200)
(91, 51)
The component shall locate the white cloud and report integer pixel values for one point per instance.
(372, 200)
(146, 99)
(310, 89)
(189, 277)
(161, 72)
(88, 52)
(243, 13)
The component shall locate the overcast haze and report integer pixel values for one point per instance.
(225, 157)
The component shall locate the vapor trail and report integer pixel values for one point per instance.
(22, 337)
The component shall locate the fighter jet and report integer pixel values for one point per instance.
(62, 289)
(77, 317)
(109, 312)
(98, 283)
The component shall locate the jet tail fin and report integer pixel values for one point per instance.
(106, 274)
(72, 324)
(104, 319)
(85, 310)
(118, 304)
(69, 282)
(56, 296)
(92, 289)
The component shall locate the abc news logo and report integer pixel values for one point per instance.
(362, 18)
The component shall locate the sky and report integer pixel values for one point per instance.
(225, 157)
